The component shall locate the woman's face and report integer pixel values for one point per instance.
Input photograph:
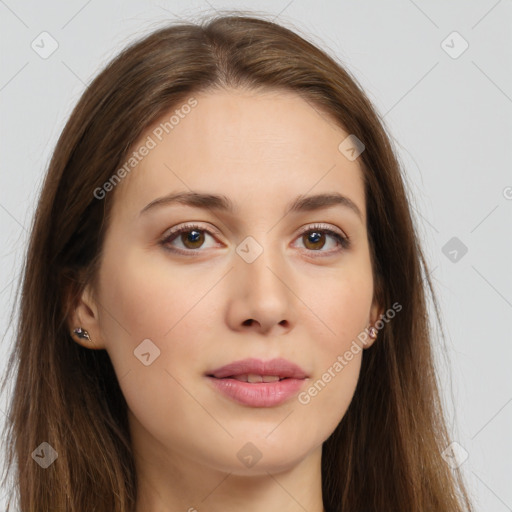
(259, 281)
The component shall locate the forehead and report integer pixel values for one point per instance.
(273, 145)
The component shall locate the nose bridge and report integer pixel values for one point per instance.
(262, 274)
(260, 261)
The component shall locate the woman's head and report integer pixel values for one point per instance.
(290, 235)
(257, 281)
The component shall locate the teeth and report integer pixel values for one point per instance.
(253, 378)
(242, 378)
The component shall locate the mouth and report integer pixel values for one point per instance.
(256, 370)
(257, 383)
(253, 378)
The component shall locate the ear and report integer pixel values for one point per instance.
(376, 312)
(83, 313)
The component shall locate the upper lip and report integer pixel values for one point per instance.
(281, 368)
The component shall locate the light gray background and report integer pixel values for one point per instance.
(451, 121)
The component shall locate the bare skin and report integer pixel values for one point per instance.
(308, 300)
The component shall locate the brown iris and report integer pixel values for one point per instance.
(194, 237)
(314, 237)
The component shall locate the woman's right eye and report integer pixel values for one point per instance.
(191, 237)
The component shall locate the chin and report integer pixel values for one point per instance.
(260, 457)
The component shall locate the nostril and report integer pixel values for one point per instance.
(248, 322)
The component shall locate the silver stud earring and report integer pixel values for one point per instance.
(373, 332)
(82, 334)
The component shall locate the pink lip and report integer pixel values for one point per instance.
(261, 394)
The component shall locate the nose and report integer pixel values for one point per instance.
(262, 298)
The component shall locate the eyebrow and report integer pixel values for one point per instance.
(223, 203)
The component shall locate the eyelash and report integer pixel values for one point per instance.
(343, 240)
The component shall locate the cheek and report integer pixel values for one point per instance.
(161, 303)
(147, 300)
(338, 360)
(153, 305)
(342, 306)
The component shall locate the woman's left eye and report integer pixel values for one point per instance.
(192, 237)
(314, 238)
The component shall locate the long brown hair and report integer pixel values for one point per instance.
(385, 455)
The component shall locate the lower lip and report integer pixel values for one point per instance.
(260, 394)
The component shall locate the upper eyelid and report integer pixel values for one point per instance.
(190, 226)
